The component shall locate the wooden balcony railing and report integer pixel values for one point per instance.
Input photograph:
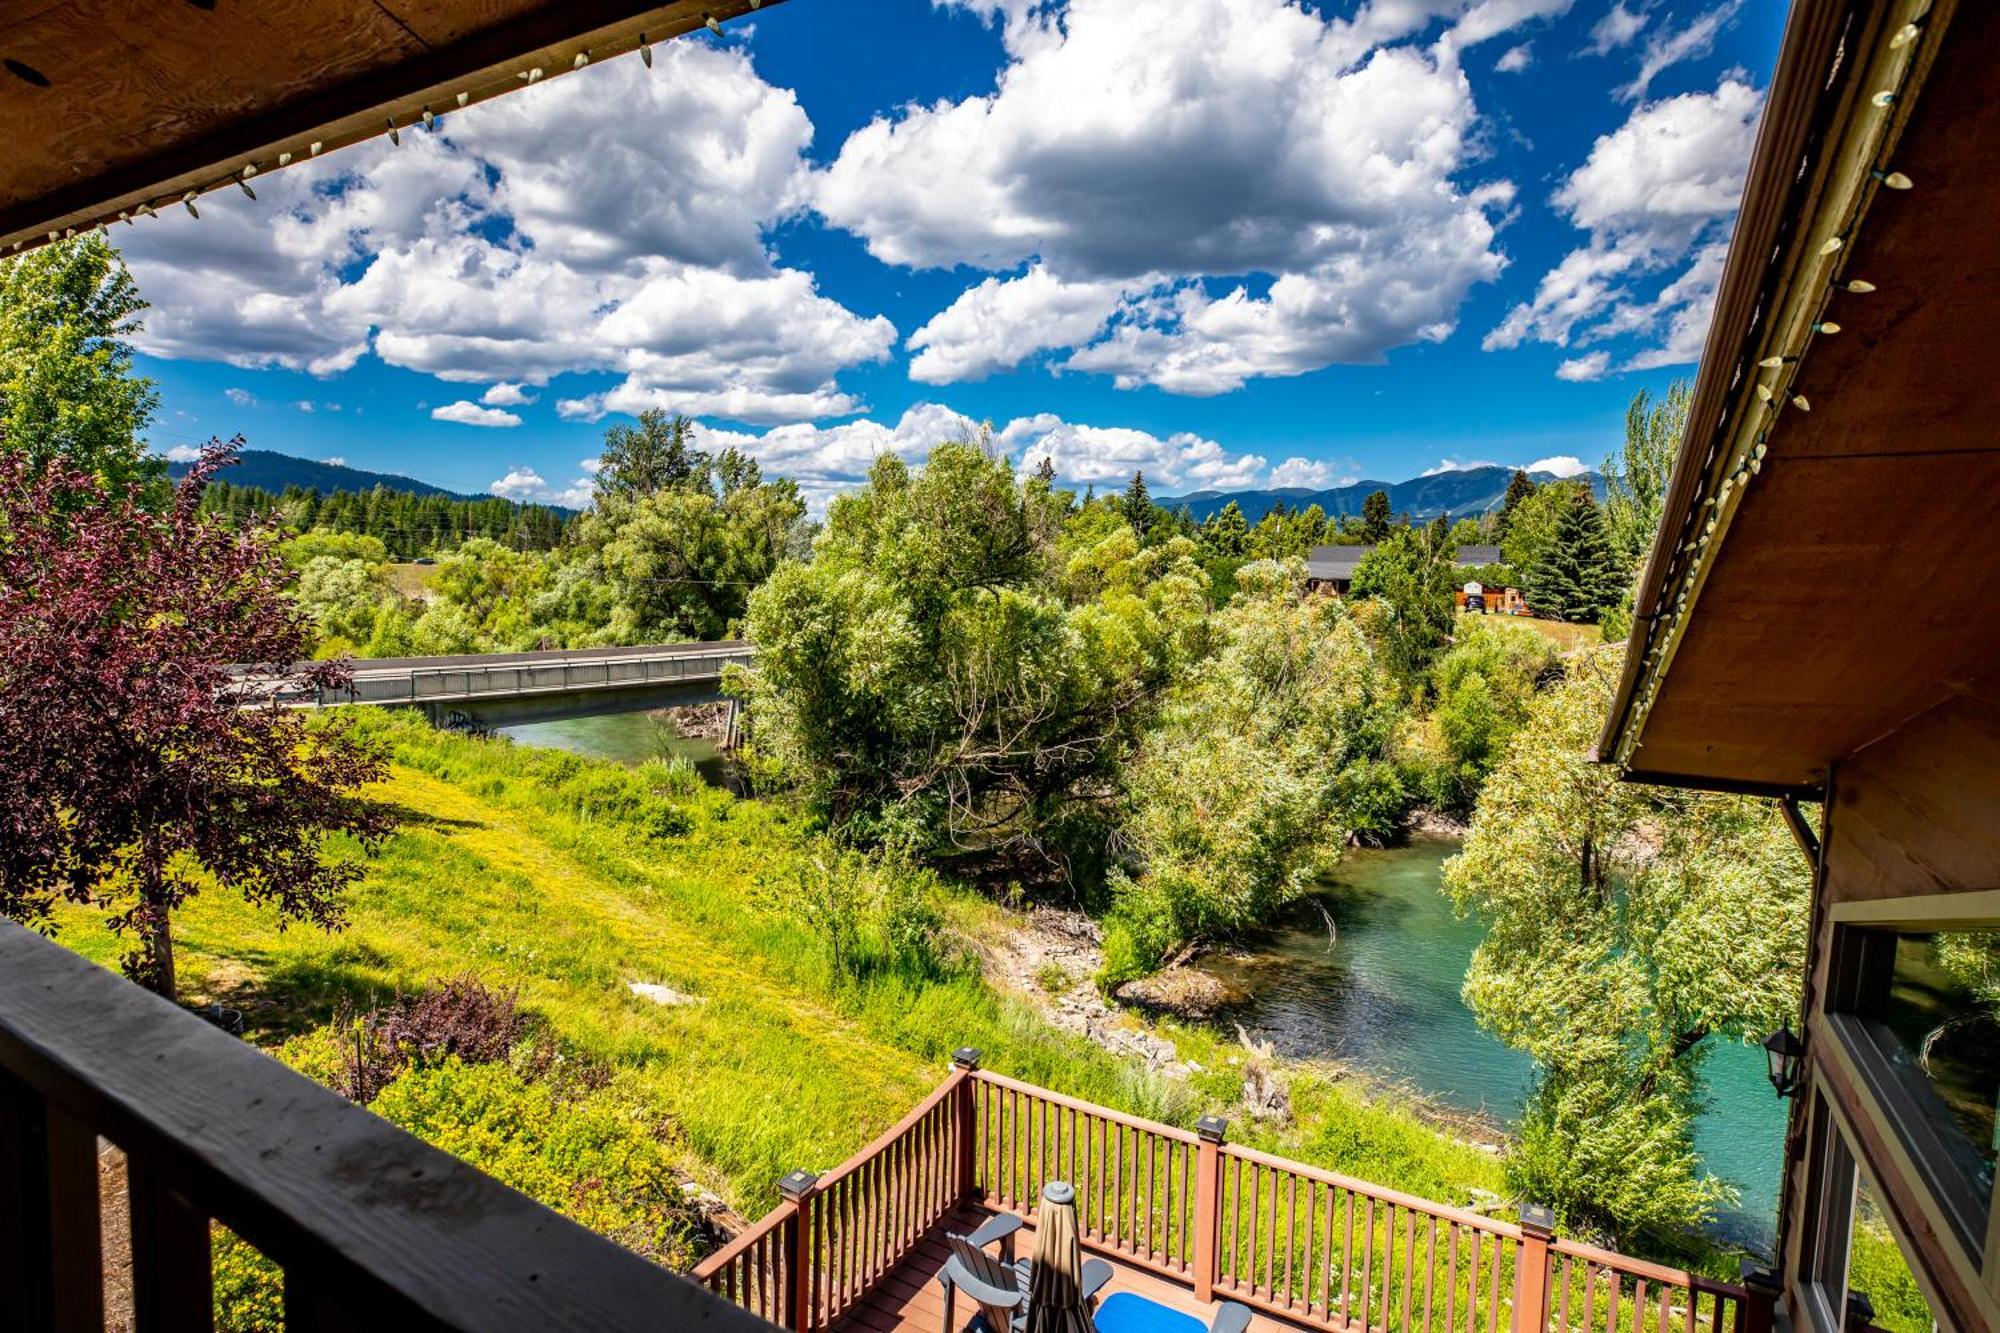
(372, 1227)
(1311, 1247)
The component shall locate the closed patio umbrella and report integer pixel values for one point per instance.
(1055, 1285)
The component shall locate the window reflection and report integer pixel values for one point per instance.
(1931, 1021)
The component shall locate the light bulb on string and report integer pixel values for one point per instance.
(645, 50)
(1893, 180)
(1859, 286)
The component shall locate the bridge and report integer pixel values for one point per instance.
(507, 689)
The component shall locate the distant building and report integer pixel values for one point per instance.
(1332, 567)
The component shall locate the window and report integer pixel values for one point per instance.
(1857, 1278)
(1918, 1011)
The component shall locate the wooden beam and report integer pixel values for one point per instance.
(485, 63)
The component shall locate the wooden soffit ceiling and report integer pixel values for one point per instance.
(1829, 564)
(120, 106)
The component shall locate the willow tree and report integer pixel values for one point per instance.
(1628, 930)
(1635, 480)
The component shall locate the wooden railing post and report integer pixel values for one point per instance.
(964, 1184)
(797, 1189)
(1531, 1269)
(1208, 1205)
(1761, 1291)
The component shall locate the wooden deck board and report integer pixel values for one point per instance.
(909, 1299)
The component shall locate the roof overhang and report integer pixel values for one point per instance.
(1828, 564)
(125, 107)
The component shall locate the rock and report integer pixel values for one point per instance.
(1184, 991)
(658, 994)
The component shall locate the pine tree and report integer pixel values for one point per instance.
(1138, 503)
(1519, 487)
(1045, 471)
(1227, 532)
(1375, 517)
(1579, 574)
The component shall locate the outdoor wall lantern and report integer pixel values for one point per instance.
(1785, 1054)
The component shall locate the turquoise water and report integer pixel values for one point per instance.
(625, 738)
(1379, 990)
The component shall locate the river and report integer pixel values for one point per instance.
(628, 738)
(1382, 995)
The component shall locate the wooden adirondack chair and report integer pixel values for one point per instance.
(1000, 1286)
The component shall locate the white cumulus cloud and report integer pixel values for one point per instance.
(240, 397)
(505, 394)
(1188, 193)
(1311, 473)
(613, 220)
(1589, 366)
(1655, 196)
(467, 413)
(1516, 59)
(1563, 465)
(1670, 47)
(524, 485)
(1618, 27)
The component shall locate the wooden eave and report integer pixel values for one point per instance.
(1825, 571)
(115, 107)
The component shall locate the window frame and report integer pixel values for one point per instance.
(1856, 959)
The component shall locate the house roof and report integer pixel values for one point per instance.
(1336, 564)
(1824, 569)
(122, 106)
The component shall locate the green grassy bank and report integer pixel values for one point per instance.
(569, 879)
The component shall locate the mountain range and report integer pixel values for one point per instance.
(1462, 493)
(273, 472)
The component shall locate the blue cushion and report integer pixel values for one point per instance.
(1129, 1312)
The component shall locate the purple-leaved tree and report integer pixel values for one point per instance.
(138, 770)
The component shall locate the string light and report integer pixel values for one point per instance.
(463, 98)
(187, 201)
(645, 50)
(316, 146)
(244, 186)
(1884, 98)
(1859, 286)
(1894, 180)
(1799, 401)
(284, 159)
(1905, 35)
(1764, 393)
(1831, 246)
(713, 26)
(394, 137)
(1776, 362)
(582, 59)
(1826, 326)
(430, 121)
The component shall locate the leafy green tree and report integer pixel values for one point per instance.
(1412, 573)
(342, 596)
(1483, 688)
(1375, 517)
(1531, 529)
(955, 674)
(67, 389)
(1626, 927)
(1635, 488)
(1259, 767)
(656, 454)
(1578, 575)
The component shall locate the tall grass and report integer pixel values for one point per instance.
(567, 879)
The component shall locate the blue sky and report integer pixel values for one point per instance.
(1230, 242)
